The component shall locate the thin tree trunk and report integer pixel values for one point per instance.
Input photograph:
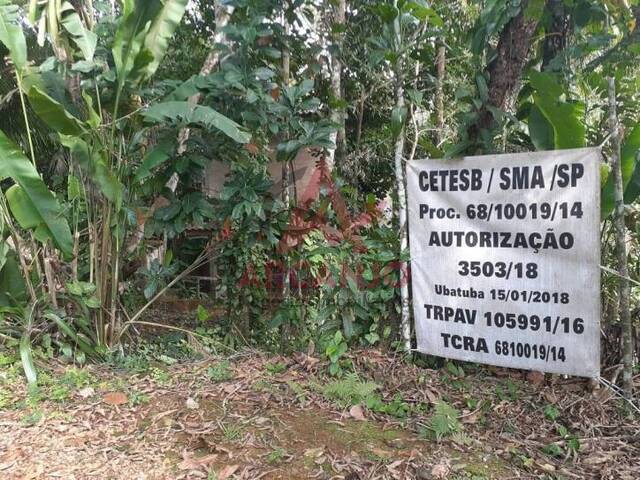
(360, 118)
(336, 156)
(286, 196)
(222, 16)
(440, 65)
(621, 249)
(400, 186)
(414, 121)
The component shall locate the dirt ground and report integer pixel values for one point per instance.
(252, 416)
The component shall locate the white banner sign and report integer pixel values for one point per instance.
(505, 259)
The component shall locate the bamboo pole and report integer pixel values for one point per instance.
(621, 248)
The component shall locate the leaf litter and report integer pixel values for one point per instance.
(279, 425)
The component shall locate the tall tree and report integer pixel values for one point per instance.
(336, 97)
(504, 71)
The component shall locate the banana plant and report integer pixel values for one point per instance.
(31, 203)
(89, 125)
(555, 123)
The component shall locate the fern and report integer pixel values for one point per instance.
(349, 391)
(444, 421)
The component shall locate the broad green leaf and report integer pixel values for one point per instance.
(630, 174)
(161, 30)
(85, 39)
(540, 130)
(398, 118)
(74, 189)
(106, 180)
(4, 252)
(12, 288)
(385, 11)
(423, 13)
(130, 34)
(142, 37)
(26, 213)
(27, 358)
(95, 165)
(188, 113)
(54, 114)
(65, 328)
(22, 209)
(94, 119)
(565, 119)
(153, 158)
(630, 152)
(11, 34)
(16, 166)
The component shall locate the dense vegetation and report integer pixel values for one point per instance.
(122, 266)
(111, 114)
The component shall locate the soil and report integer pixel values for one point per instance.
(269, 417)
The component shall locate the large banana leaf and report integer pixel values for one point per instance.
(11, 33)
(31, 199)
(204, 116)
(161, 30)
(630, 174)
(84, 38)
(94, 164)
(554, 123)
(54, 114)
(12, 287)
(142, 36)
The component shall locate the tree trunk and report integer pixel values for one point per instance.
(555, 39)
(360, 118)
(440, 66)
(621, 250)
(285, 332)
(337, 111)
(222, 16)
(398, 158)
(506, 68)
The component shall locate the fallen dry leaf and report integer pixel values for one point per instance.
(471, 417)
(86, 392)
(440, 471)
(357, 412)
(227, 471)
(379, 452)
(535, 378)
(115, 398)
(431, 395)
(313, 452)
(190, 462)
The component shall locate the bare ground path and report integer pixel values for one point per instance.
(253, 417)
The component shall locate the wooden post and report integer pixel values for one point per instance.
(621, 248)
